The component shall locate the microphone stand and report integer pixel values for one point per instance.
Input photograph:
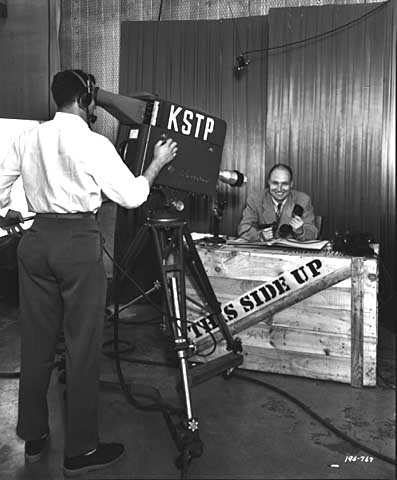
(217, 209)
(234, 178)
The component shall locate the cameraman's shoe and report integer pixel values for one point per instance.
(35, 449)
(104, 455)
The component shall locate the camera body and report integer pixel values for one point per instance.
(145, 119)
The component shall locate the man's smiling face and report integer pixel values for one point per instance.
(280, 184)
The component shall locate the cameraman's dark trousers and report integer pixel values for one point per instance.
(62, 285)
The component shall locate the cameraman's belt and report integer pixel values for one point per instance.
(67, 216)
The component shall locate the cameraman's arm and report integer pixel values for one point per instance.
(117, 181)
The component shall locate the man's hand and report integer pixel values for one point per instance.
(12, 219)
(165, 152)
(297, 225)
(14, 215)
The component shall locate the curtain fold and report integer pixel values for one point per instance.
(388, 159)
(330, 110)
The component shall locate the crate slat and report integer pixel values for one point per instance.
(302, 364)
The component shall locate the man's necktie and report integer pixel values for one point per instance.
(278, 211)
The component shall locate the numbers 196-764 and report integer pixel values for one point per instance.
(358, 458)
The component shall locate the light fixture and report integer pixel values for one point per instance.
(242, 62)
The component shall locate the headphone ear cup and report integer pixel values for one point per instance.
(85, 100)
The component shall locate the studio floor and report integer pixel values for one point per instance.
(249, 430)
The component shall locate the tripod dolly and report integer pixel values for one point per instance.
(175, 250)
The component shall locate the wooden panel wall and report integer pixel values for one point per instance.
(29, 55)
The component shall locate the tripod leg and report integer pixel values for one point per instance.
(169, 248)
(170, 253)
(181, 346)
(200, 275)
(190, 443)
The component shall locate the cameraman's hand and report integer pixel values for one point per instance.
(165, 152)
(14, 215)
(11, 219)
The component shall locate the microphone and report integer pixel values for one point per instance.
(286, 229)
(234, 178)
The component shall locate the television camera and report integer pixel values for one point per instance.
(144, 119)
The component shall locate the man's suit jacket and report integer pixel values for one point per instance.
(260, 210)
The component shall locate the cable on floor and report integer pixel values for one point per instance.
(317, 417)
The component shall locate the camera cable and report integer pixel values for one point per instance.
(321, 420)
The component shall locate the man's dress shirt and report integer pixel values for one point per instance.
(64, 167)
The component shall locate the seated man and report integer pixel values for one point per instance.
(286, 212)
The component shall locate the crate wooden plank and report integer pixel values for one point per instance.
(282, 338)
(302, 364)
(321, 319)
(308, 318)
(297, 340)
(259, 265)
(370, 298)
(325, 311)
(265, 264)
(337, 297)
(227, 288)
(357, 330)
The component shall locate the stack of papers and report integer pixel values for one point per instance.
(282, 242)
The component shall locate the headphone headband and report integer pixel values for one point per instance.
(85, 98)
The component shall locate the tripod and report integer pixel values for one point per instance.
(175, 250)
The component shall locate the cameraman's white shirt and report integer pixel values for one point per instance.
(65, 166)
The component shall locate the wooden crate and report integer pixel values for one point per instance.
(323, 328)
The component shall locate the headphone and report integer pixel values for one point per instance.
(85, 98)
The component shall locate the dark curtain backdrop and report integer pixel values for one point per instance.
(331, 111)
(192, 63)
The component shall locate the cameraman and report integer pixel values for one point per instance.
(62, 284)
